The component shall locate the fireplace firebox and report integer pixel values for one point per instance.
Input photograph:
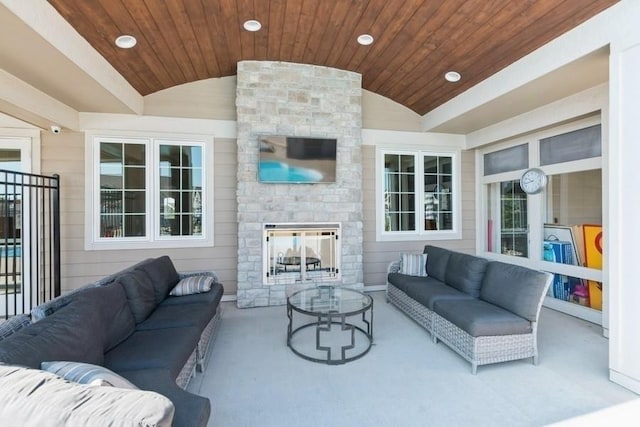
(301, 253)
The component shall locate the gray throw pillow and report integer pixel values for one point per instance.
(192, 285)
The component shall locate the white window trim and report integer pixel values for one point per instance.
(535, 202)
(152, 239)
(419, 234)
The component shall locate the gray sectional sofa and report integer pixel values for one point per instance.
(487, 311)
(129, 323)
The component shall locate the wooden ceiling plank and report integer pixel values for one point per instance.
(200, 29)
(178, 11)
(289, 29)
(232, 28)
(218, 37)
(275, 25)
(244, 11)
(505, 25)
(543, 29)
(261, 38)
(318, 32)
(174, 48)
(97, 27)
(453, 36)
(303, 35)
(354, 12)
(153, 44)
(387, 25)
(333, 25)
(353, 52)
(405, 45)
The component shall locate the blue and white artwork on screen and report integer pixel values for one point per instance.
(297, 160)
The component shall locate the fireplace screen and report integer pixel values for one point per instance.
(301, 252)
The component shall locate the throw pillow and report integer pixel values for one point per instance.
(13, 325)
(192, 285)
(413, 264)
(86, 373)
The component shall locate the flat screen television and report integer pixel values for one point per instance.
(297, 160)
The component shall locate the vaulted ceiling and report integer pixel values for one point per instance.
(415, 41)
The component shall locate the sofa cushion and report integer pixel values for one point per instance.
(140, 293)
(67, 334)
(116, 319)
(32, 397)
(479, 318)
(437, 261)
(413, 264)
(403, 281)
(192, 285)
(436, 291)
(167, 348)
(49, 307)
(13, 325)
(211, 297)
(86, 373)
(191, 410)
(162, 274)
(465, 273)
(515, 288)
(179, 315)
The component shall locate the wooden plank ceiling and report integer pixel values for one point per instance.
(416, 41)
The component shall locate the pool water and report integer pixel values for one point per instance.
(275, 171)
(11, 251)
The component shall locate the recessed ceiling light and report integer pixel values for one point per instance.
(452, 76)
(252, 25)
(365, 39)
(126, 41)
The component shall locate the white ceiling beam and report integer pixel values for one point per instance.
(24, 102)
(50, 25)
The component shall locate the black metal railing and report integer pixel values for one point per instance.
(29, 241)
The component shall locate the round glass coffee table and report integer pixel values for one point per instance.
(333, 327)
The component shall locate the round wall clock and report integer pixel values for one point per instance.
(533, 181)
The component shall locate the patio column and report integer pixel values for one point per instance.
(623, 240)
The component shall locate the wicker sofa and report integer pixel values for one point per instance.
(130, 323)
(487, 311)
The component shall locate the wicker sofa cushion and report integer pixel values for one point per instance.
(67, 334)
(13, 325)
(479, 318)
(162, 274)
(428, 293)
(405, 281)
(465, 273)
(514, 288)
(115, 316)
(140, 293)
(437, 261)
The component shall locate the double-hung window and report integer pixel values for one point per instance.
(418, 195)
(148, 192)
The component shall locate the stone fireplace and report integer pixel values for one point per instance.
(278, 98)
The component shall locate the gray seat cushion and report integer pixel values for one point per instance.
(162, 274)
(479, 318)
(465, 272)
(405, 281)
(428, 293)
(190, 410)
(140, 293)
(167, 348)
(515, 288)
(179, 315)
(437, 260)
